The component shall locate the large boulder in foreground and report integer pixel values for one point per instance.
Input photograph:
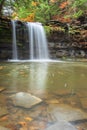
(25, 100)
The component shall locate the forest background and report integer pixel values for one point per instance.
(43, 10)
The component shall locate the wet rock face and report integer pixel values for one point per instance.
(72, 43)
(64, 43)
(58, 51)
(25, 100)
(61, 125)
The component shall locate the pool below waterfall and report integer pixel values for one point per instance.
(60, 86)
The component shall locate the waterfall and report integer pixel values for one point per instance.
(37, 41)
(14, 45)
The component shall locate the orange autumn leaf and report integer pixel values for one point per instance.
(23, 123)
(34, 3)
(14, 16)
(28, 118)
(4, 118)
(29, 18)
(63, 5)
(61, 18)
(1, 67)
(52, 1)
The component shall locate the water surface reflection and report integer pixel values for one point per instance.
(56, 83)
(44, 76)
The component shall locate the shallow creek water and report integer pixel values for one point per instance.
(62, 86)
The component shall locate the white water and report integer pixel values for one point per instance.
(37, 41)
(14, 47)
(40, 61)
(38, 49)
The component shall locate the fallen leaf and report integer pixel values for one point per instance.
(33, 128)
(2, 88)
(79, 128)
(23, 123)
(63, 4)
(4, 118)
(1, 67)
(28, 118)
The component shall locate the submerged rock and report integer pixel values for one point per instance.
(66, 112)
(3, 111)
(61, 125)
(84, 102)
(2, 100)
(3, 128)
(25, 100)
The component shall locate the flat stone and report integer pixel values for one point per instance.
(61, 125)
(84, 102)
(64, 92)
(3, 111)
(3, 128)
(10, 92)
(73, 101)
(66, 112)
(53, 101)
(25, 100)
(82, 94)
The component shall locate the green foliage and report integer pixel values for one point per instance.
(80, 3)
(47, 29)
(44, 10)
(77, 14)
(79, 6)
(50, 28)
(23, 8)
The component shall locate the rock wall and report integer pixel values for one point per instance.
(69, 44)
(5, 39)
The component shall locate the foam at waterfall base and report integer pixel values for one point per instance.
(37, 60)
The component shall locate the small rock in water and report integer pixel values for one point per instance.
(25, 100)
(61, 125)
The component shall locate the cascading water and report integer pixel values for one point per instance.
(14, 45)
(37, 41)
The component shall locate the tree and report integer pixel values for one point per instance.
(40, 10)
(44, 10)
